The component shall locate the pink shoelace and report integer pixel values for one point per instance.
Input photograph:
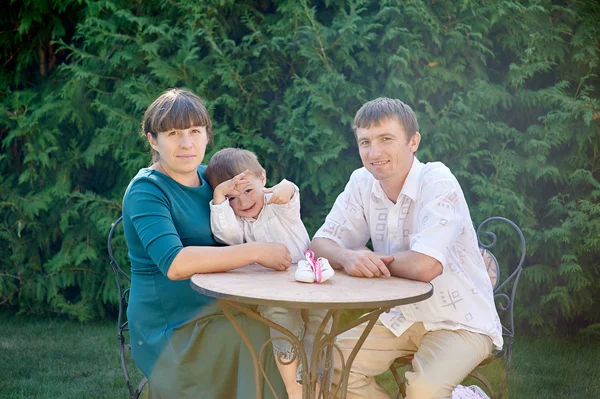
(315, 265)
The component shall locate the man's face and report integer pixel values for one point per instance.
(251, 198)
(386, 152)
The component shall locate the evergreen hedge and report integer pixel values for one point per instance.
(506, 93)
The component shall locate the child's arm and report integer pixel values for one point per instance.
(282, 193)
(289, 192)
(229, 187)
(225, 226)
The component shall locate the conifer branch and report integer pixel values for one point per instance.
(10, 275)
(321, 51)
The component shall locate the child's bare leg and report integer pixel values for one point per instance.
(317, 390)
(288, 375)
(314, 318)
(283, 348)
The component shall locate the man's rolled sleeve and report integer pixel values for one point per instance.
(224, 224)
(346, 224)
(438, 223)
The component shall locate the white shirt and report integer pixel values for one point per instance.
(275, 223)
(431, 217)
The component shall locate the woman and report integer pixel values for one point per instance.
(180, 339)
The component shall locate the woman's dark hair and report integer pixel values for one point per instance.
(175, 109)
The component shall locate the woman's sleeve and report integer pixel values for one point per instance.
(146, 205)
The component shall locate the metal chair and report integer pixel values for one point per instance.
(504, 297)
(123, 280)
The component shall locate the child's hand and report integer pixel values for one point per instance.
(229, 187)
(282, 192)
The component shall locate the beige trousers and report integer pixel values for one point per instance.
(442, 359)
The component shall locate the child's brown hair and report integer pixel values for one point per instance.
(230, 162)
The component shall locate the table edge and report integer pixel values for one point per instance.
(312, 305)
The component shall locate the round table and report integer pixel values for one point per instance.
(256, 285)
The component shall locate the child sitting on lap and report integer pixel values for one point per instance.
(243, 210)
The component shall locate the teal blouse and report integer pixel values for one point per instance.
(180, 339)
(160, 217)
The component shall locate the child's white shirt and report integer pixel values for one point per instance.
(275, 223)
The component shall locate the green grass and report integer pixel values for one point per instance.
(544, 368)
(59, 359)
(65, 359)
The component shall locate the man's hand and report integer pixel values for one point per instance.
(282, 192)
(272, 255)
(230, 187)
(365, 263)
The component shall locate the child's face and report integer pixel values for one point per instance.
(250, 202)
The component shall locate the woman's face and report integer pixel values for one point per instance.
(181, 150)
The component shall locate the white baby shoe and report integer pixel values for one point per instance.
(326, 269)
(311, 270)
(304, 272)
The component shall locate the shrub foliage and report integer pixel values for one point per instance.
(506, 93)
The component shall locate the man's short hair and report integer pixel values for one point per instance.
(382, 109)
(230, 162)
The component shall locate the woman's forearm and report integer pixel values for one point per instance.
(194, 260)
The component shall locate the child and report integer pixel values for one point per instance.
(243, 210)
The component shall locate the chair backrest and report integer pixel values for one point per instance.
(504, 289)
(492, 266)
(121, 278)
(123, 281)
(119, 273)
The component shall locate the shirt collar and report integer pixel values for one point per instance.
(411, 184)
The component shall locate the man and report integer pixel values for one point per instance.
(419, 224)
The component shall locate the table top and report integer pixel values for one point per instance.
(257, 285)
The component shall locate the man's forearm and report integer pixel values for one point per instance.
(328, 249)
(415, 266)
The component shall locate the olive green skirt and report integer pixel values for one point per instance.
(206, 358)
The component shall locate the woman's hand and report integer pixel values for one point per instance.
(272, 255)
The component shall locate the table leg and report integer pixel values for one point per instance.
(323, 342)
(346, 365)
(258, 368)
